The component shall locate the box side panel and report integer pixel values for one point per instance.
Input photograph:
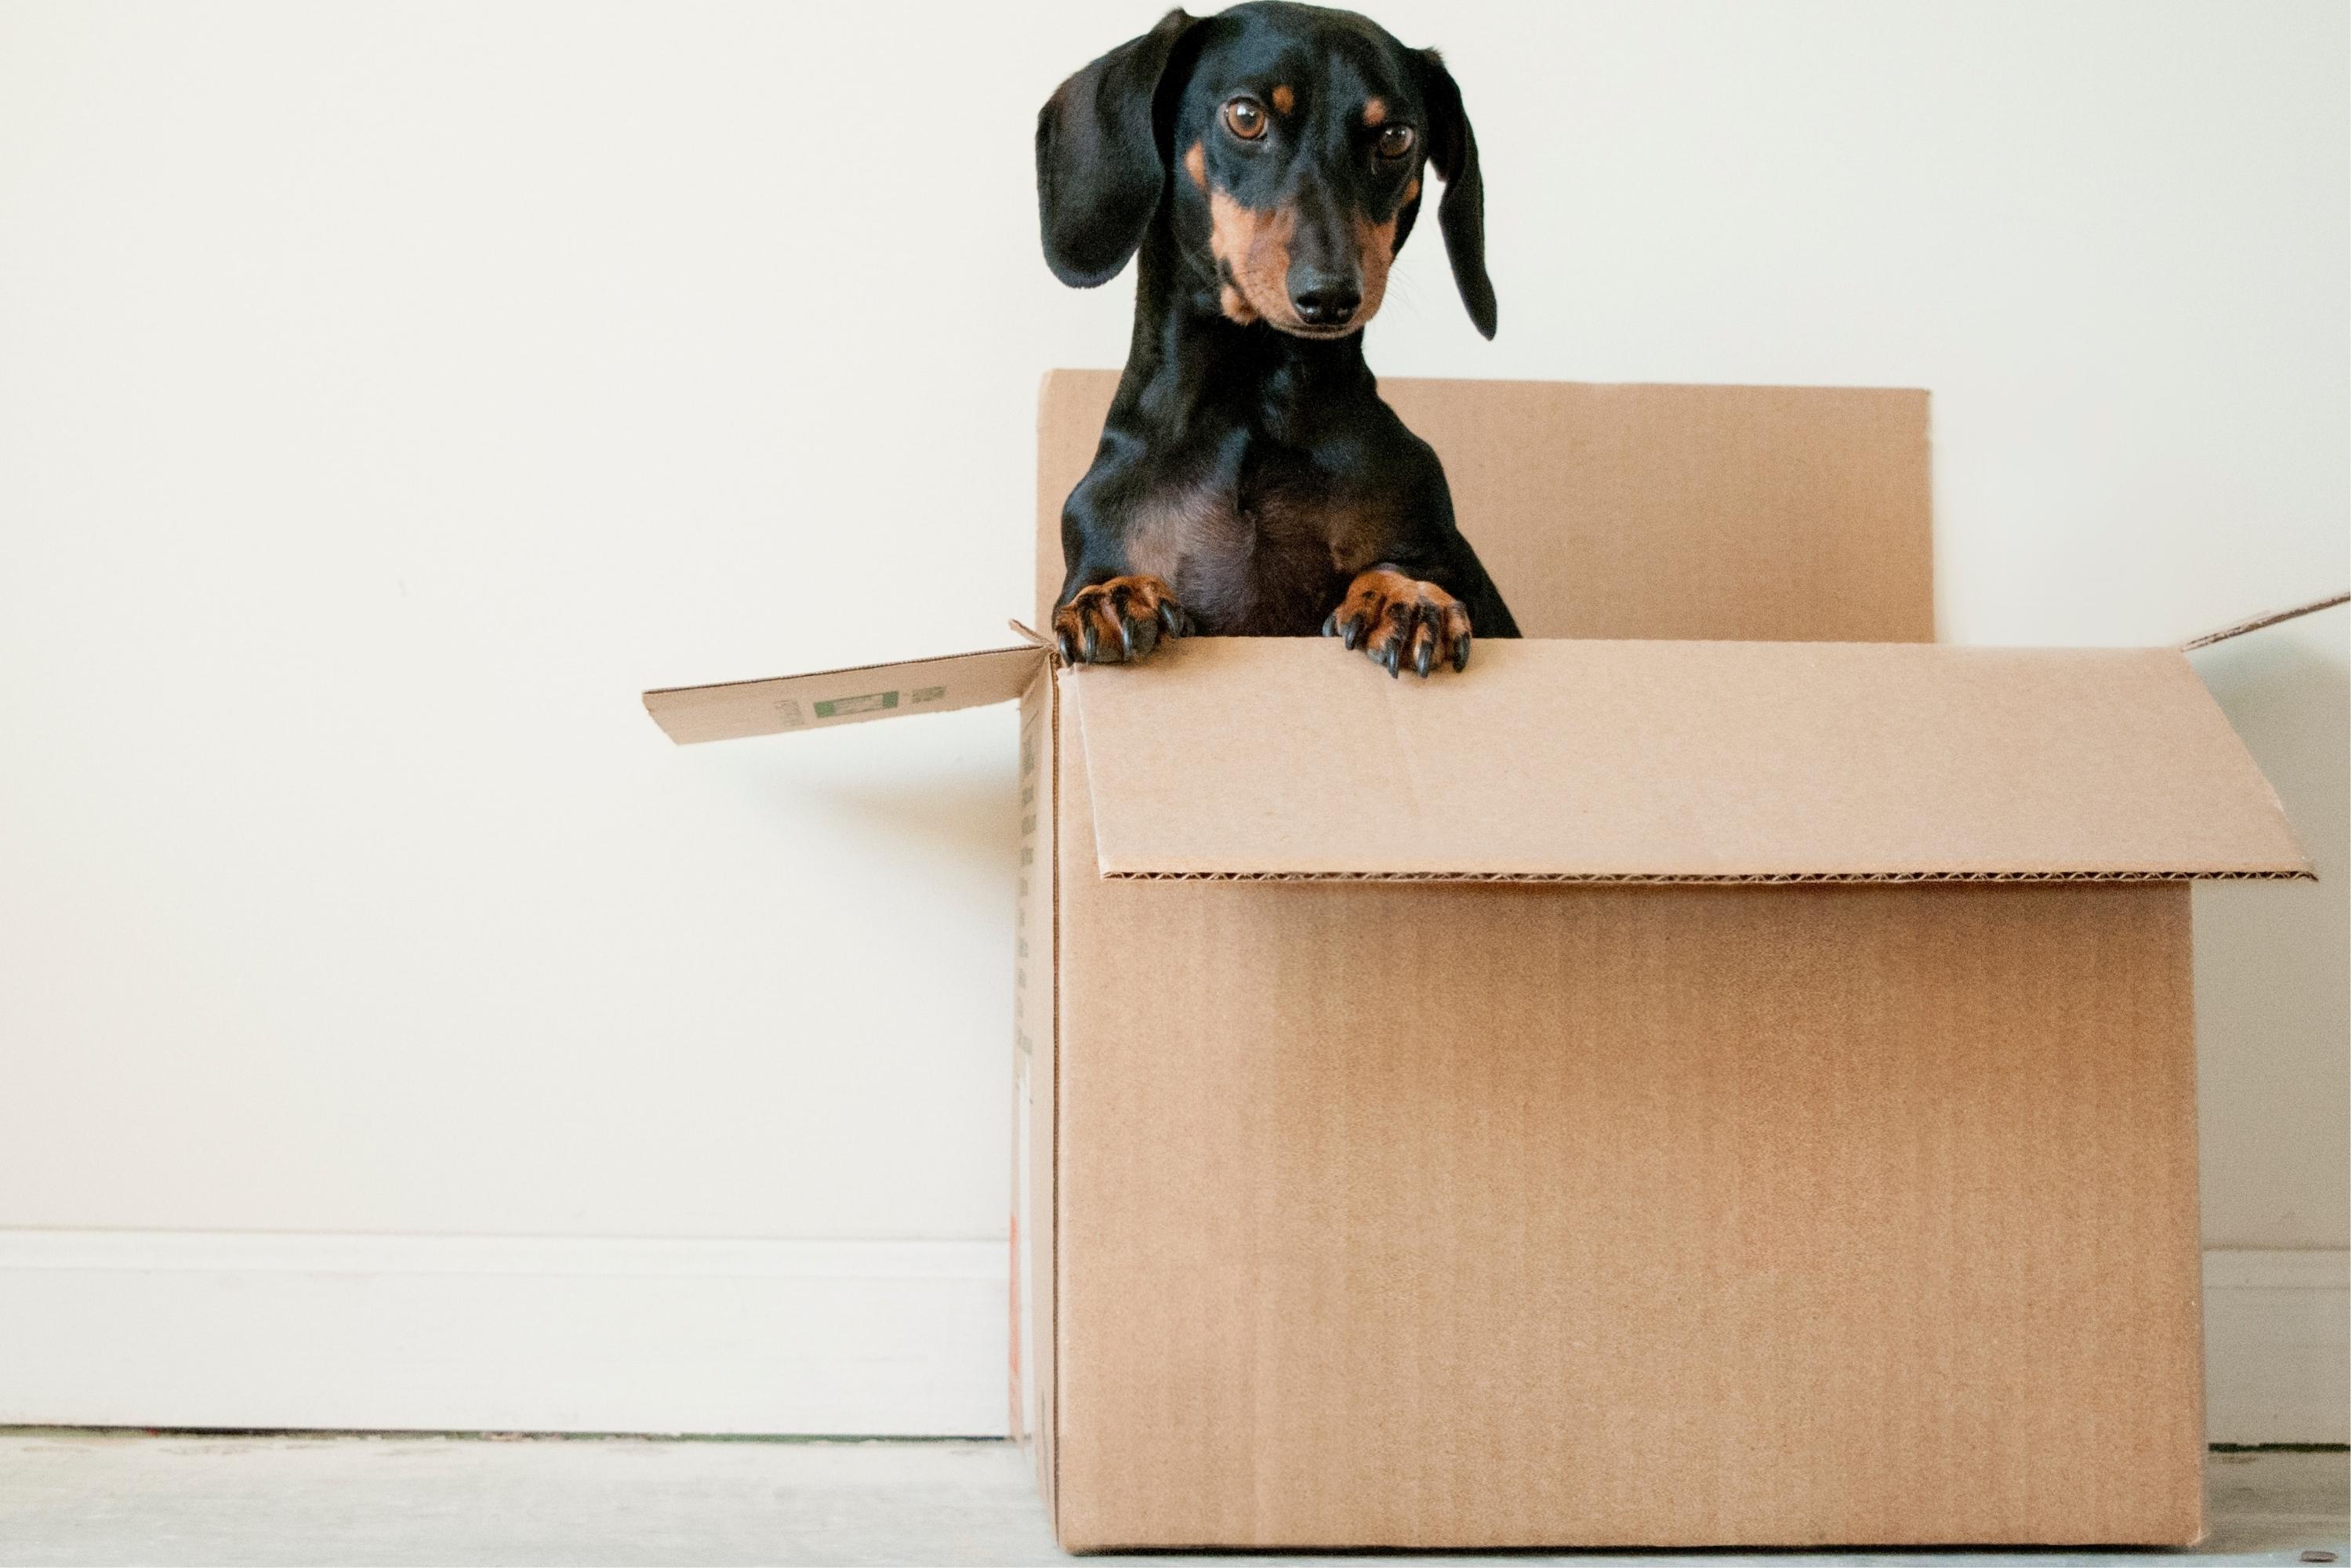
(1030, 1321)
(1741, 513)
(1455, 1216)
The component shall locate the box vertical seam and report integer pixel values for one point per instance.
(1052, 679)
(2185, 961)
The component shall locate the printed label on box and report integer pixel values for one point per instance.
(841, 707)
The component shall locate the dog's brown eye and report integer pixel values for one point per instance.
(1395, 140)
(1245, 118)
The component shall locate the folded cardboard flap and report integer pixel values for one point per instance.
(2267, 619)
(1671, 762)
(733, 709)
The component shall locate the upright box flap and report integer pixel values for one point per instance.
(2267, 619)
(736, 709)
(1631, 511)
(1667, 762)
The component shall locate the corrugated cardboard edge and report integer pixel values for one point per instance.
(1683, 880)
(2256, 623)
(1050, 1473)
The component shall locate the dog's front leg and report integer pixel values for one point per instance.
(1401, 622)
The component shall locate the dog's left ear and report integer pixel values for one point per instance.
(1102, 157)
(1462, 215)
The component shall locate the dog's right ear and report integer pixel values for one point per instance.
(1102, 157)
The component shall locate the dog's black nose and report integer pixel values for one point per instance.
(1326, 301)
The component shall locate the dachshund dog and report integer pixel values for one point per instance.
(1264, 166)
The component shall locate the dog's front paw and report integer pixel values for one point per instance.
(1117, 622)
(1401, 623)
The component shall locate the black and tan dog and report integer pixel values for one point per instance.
(1264, 166)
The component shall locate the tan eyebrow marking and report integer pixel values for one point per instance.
(1375, 112)
(1285, 101)
(1412, 191)
(1196, 164)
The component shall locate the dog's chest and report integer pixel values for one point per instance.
(1253, 559)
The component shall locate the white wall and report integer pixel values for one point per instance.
(387, 392)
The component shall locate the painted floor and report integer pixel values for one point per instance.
(70, 1497)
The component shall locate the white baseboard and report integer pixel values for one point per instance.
(863, 1338)
(501, 1333)
(2276, 1338)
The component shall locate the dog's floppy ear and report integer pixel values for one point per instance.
(1461, 216)
(1102, 157)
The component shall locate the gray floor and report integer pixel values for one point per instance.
(69, 1497)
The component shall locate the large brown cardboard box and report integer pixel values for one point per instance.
(1733, 1087)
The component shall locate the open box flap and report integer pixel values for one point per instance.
(739, 708)
(2261, 622)
(1670, 761)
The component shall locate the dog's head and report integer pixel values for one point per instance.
(1290, 144)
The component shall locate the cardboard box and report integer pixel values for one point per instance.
(1734, 1088)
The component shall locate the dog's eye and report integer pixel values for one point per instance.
(1245, 118)
(1395, 140)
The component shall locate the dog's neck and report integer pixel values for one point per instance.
(1190, 366)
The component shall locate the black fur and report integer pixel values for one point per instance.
(1253, 468)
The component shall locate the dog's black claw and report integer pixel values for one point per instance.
(1462, 653)
(1061, 641)
(1393, 650)
(1171, 619)
(1351, 632)
(1331, 625)
(1140, 636)
(1090, 642)
(1421, 657)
